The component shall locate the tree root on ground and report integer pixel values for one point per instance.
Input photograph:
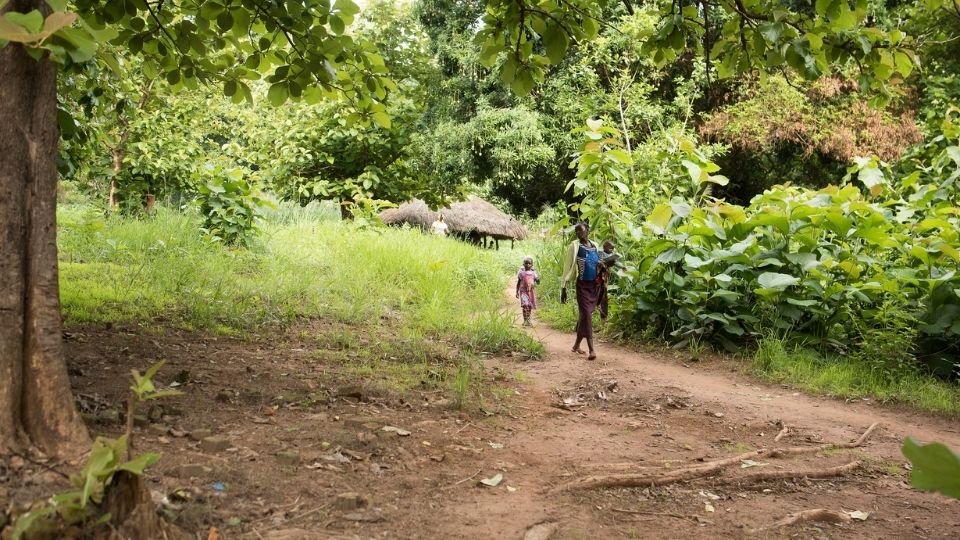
(683, 475)
(656, 476)
(818, 514)
(783, 433)
(797, 450)
(760, 476)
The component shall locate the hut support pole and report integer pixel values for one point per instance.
(497, 240)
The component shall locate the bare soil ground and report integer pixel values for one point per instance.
(302, 449)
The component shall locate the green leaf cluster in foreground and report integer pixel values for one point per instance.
(935, 467)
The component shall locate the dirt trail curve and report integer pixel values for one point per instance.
(652, 410)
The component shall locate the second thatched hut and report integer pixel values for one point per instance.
(474, 219)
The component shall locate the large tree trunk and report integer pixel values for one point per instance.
(36, 405)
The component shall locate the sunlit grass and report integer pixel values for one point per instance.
(306, 265)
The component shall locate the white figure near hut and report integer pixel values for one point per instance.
(439, 227)
(474, 220)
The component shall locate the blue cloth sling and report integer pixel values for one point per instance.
(590, 258)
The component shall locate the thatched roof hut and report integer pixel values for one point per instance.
(472, 217)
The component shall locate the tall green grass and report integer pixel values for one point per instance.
(304, 265)
(776, 360)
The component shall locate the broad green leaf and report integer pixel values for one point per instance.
(621, 156)
(621, 186)
(935, 467)
(660, 217)
(277, 94)
(904, 64)
(776, 281)
(556, 42)
(337, 25)
(694, 170)
(771, 31)
(488, 55)
(523, 82)
(225, 20)
(32, 22)
(140, 463)
(693, 262)
(347, 7)
(382, 119)
(101, 457)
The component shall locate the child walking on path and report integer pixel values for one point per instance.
(527, 279)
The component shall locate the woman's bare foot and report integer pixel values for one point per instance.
(577, 350)
(593, 356)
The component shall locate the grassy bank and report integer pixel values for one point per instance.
(778, 361)
(424, 301)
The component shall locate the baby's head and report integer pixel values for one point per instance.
(528, 263)
(608, 246)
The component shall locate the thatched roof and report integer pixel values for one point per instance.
(465, 217)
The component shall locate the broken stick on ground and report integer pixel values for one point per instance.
(650, 477)
(818, 514)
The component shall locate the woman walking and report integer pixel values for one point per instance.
(581, 262)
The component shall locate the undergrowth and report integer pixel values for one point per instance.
(776, 360)
(412, 293)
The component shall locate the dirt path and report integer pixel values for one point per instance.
(662, 411)
(300, 449)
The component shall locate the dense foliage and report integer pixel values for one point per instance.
(867, 267)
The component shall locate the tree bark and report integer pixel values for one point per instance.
(120, 150)
(36, 405)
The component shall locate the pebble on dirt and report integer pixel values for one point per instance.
(214, 444)
(288, 458)
(351, 501)
(200, 434)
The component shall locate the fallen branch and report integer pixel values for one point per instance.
(819, 514)
(796, 450)
(654, 476)
(649, 513)
(722, 462)
(641, 479)
(782, 434)
(760, 476)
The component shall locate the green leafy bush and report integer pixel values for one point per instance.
(804, 264)
(229, 206)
